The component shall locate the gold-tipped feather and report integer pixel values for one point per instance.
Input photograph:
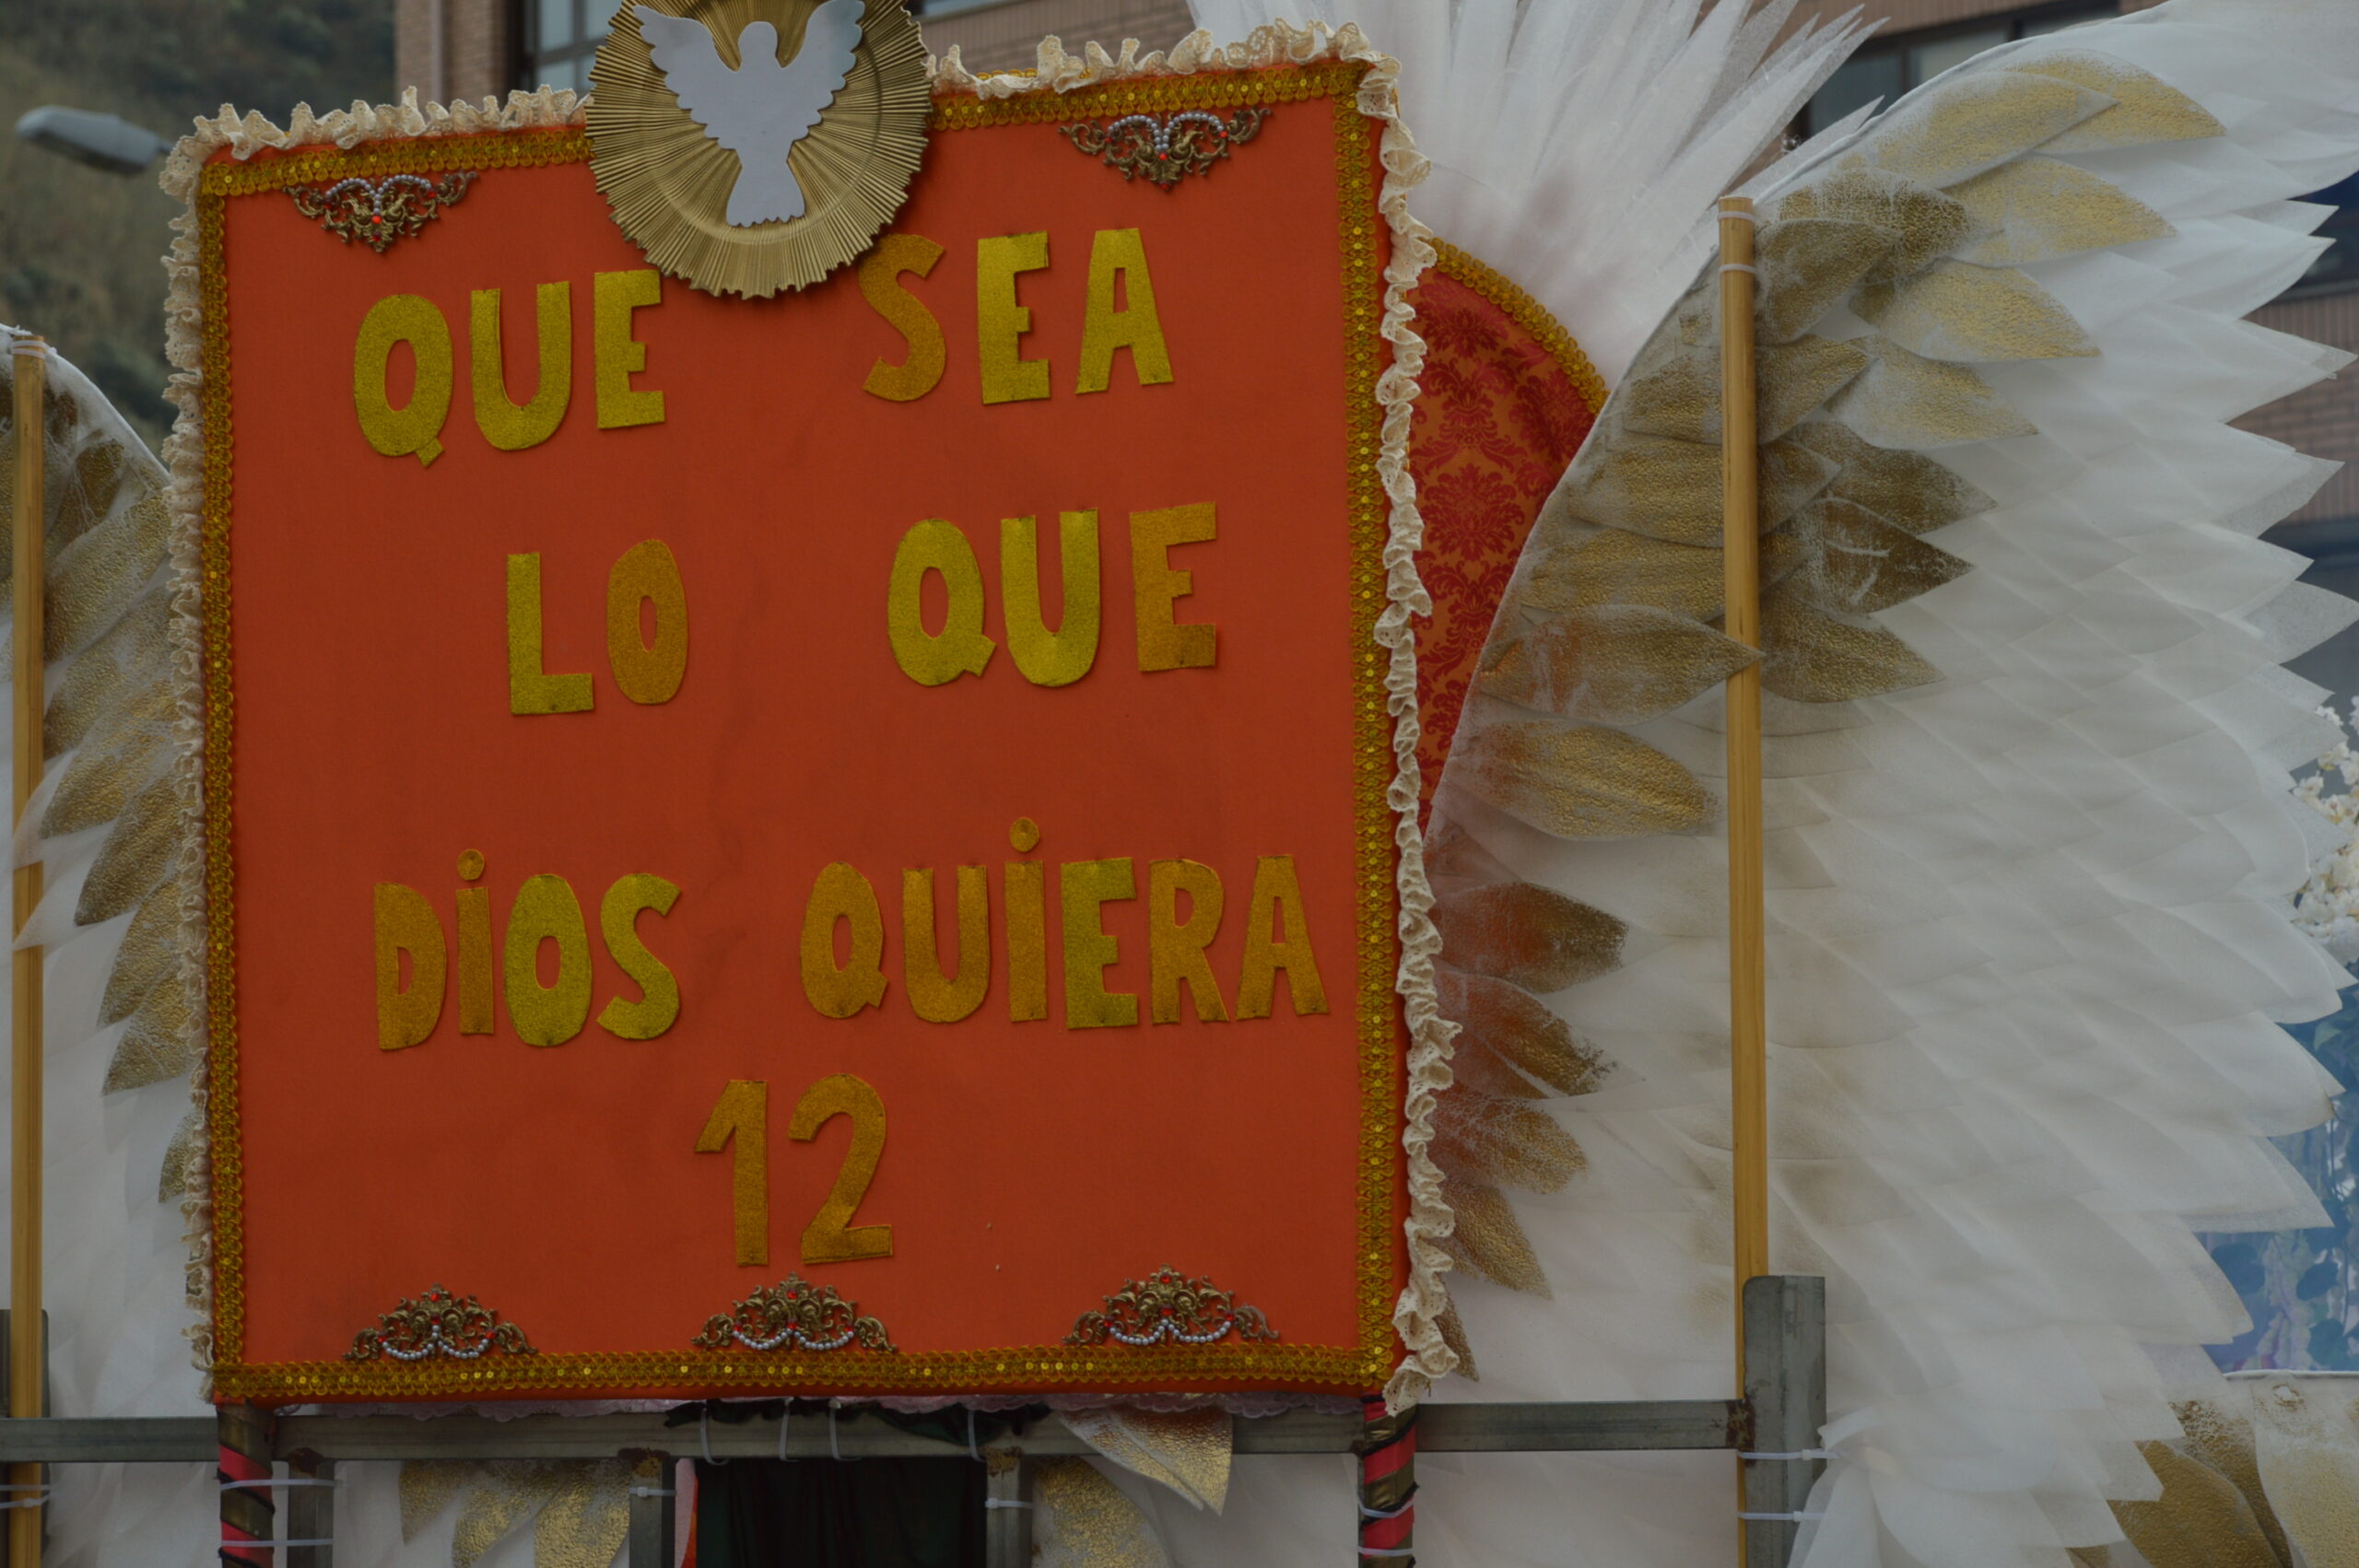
(1582, 780)
(146, 840)
(150, 953)
(1518, 1027)
(1487, 1241)
(1612, 665)
(1529, 936)
(161, 1041)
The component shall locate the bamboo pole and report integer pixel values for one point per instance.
(26, 1371)
(1748, 962)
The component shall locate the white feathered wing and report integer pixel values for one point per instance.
(2028, 877)
(123, 1013)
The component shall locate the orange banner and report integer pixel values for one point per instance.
(806, 844)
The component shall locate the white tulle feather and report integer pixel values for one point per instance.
(1575, 145)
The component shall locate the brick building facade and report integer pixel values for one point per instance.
(470, 48)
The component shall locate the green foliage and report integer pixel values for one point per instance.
(80, 249)
(188, 57)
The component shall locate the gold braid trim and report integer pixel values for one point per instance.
(1528, 313)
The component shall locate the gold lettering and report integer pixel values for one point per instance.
(840, 893)
(476, 999)
(659, 1002)
(1025, 891)
(545, 910)
(1278, 898)
(740, 1123)
(406, 923)
(647, 572)
(1085, 886)
(620, 356)
(1163, 645)
(935, 995)
(919, 370)
(831, 1237)
(504, 424)
(1135, 327)
(1050, 658)
(415, 430)
(1176, 947)
(530, 690)
(1000, 322)
(934, 545)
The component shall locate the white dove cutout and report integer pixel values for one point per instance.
(761, 109)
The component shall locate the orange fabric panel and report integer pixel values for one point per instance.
(1029, 1168)
(1498, 419)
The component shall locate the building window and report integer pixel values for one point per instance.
(561, 38)
(1885, 68)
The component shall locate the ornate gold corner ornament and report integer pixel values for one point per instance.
(793, 1314)
(1163, 152)
(746, 175)
(438, 1324)
(1168, 1306)
(377, 212)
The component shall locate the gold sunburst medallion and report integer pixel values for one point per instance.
(751, 146)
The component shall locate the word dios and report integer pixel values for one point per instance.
(544, 910)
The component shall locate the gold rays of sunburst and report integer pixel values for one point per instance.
(668, 182)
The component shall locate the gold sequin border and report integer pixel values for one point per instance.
(1528, 313)
(1362, 234)
(1156, 95)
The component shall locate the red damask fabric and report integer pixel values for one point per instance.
(1497, 420)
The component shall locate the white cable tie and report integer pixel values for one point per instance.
(28, 1501)
(1797, 1454)
(24, 1486)
(290, 1481)
(1748, 270)
(1004, 1503)
(704, 1436)
(1368, 1512)
(31, 347)
(1745, 214)
(1781, 1518)
(652, 1491)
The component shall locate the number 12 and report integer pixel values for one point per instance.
(740, 1122)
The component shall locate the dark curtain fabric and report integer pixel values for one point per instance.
(852, 1514)
(875, 1513)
